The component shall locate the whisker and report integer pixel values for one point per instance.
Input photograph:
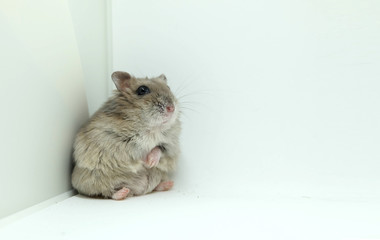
(195, 104)
(191, 94)
(190, 102)
(185, 115)
(184, 85)
(191, 109)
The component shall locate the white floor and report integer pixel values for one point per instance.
(180, 215)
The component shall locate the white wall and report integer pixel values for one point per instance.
(284, 94)
(90, 24)
(42, 100)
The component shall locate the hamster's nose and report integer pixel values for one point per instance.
(170, 108)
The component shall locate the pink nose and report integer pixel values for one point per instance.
(170, 108)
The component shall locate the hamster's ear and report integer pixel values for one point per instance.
(121, 80)
(162, 77)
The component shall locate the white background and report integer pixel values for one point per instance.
(284, 95)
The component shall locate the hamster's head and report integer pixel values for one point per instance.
(148, 99)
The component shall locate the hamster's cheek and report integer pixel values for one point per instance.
(153, 120)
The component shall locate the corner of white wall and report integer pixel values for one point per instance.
(90, 20)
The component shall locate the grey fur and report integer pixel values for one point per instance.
(110, 149)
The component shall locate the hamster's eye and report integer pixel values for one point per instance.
(142, 90)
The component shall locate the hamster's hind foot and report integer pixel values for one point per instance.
(121, 194)
(164, 186)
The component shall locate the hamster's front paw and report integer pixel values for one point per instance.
(153, 157)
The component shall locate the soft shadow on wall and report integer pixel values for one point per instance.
(42, 99)
(90, 21)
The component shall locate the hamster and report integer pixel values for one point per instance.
(131, 144)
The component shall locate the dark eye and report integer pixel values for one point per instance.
(142, 90)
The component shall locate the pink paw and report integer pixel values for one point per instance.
(121, 194)
(153, 157)
(164, 186)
